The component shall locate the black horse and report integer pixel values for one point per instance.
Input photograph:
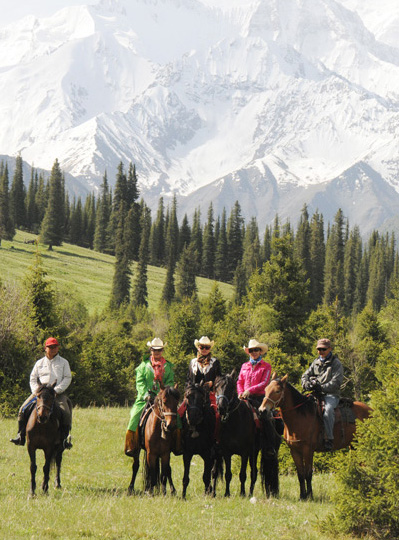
(43, 432)
(239, 434)
(198, 433)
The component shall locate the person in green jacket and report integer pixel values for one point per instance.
(149, 374)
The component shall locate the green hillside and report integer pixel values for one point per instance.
(88, 274)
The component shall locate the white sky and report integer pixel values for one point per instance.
(14, 10)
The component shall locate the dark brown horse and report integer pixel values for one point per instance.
(158, 442)
(198, 433)
(42, 432)
(303, 426)
(237, 433)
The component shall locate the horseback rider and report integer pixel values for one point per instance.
(152, 371)
(49, 369)
(324, 377)
(251, 383)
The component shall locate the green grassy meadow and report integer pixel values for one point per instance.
(93, 502)
(87, 273)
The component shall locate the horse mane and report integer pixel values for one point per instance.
(304, 404)
(172, 391)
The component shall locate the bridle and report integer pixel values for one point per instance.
(162, 415)
(230, 403)
(44, 406)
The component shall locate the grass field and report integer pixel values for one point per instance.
(93, 503)
(85, 272)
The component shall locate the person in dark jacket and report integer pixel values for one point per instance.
(325, 376)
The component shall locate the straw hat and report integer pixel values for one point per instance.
(254, 344)
(156, 343)
(204, 341)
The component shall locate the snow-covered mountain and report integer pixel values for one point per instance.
(271, 102)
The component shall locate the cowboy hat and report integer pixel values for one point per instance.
(254, 344)
(204, 341)
(156, 343)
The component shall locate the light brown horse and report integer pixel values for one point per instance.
(158, 442)
(42, 432)
(303, 426)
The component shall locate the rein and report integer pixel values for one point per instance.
(161, 418)
(229, 403)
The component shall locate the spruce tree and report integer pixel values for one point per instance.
(172, 242)
(119, 204)
(52, 229)
(76, 223)
(103, 213)
(208, 257)
(235, 228)
(186, 284)
(41, 199)
(184, 234)
(89, 221)
(157, 237)
(18, 196)
(32, 220)
(121, 281)
(352, 260)
(7, 229)
(334, 262)
(221, 270)
(140, 292)
(197, 238)
(302, 241)
(251, 259)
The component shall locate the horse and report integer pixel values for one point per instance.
(158, 441)
(198, 433)
(303, 426)
(237, 433)
(42, 432)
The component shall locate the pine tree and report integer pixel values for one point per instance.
(186, 267)
(378, 282)
(119, 204)
(267, 244)
(121, 281)
(32, 221)
(157, 237)
(334, 263)
(89, 221)
(140, 292)
(208, 257)
(103, 213)
(76, 223)
(196, 238)
(352, 260)
(302, 241)
(221, 270)
(184, 234)
(172, 242)
(17, 196)
(52, 229)
(235, 227)
(251, 259)
(317, 251)
(41, 199)
(7, 229)
(214, 308)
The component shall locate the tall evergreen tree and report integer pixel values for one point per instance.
(235, 228)
(352, 260)
(119, 204)
(32, 222)
(18, 196)
(184, 234)
(103, 213)
(157, 236)
(252, 258)
(52, 229)
(186, 285)
(317, 251)
(196, 236)
(76, 223)
(267, 244)
(140, 292)
(41, 199)
(334, 263)
(208, 257)
(172, 242)
(89, 221)
(7, 229)
(120, 293)
(302, 241)
(221, 270)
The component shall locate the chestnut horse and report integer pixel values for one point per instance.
(42, 432)
(158, 441)
(303, 426)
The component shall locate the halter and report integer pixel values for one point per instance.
(162, 416)
(229, 403)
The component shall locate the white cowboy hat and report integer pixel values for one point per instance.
(204, 341)
(156, 343)
(254, 344)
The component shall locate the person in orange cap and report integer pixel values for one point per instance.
(52, 368)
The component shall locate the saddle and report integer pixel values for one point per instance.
(143, 421)
(343, 413)
(255, 413)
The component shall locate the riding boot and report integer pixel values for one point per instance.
(131, 442)
(20, 438)
(177, 443)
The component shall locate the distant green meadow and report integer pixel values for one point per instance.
(86, 273)
(93, 502)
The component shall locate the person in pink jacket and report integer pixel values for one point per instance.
(251, 383)
(255, 374)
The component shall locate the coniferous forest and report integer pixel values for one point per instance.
(293, 283)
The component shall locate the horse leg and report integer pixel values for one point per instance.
(300, 469)
(46, 470)
(58, 460)
(168, 471)
(308, 468)
(253, 458)
(243, 473)
(186, 476)
(227, 475)
(152, 463)
(206, 476)
(135, 468)
(33, 467)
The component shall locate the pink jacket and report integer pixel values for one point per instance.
(254, 379)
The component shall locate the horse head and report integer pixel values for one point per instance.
(45, 399)
(274, 393)
(196, 397)
(225, 388)
(166, 402)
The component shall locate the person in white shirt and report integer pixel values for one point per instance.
(50, 369)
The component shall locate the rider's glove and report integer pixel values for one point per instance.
(245, 394)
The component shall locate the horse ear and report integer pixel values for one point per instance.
(274, 376)
(285, 378)
(233, 374)
(176, 386)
